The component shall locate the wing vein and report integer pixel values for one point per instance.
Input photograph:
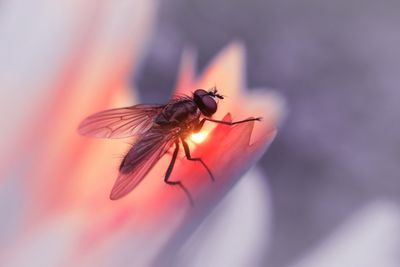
(120, 122)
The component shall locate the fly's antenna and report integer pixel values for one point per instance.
(214, 92)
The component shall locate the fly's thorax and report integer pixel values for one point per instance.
(178, 113)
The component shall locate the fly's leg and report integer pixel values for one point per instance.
(233, 123)
(198, 127)
(171, 165)
(169, 171)
(189, 157)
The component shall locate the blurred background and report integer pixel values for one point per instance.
(333, 172)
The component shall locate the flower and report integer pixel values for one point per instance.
(155, 219)
(64, 215)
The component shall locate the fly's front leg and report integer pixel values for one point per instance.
(189, 157)
(198, 127)
(169, 171)
(233, 123)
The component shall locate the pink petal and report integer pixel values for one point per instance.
(83, 53)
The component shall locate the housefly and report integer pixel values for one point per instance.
(157, 128)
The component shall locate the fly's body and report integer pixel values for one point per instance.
(180, 117)
(158, 128)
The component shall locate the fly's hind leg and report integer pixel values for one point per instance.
(169, 171)
(189, 157)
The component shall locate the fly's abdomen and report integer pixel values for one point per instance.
(141, 158)
(142, 150)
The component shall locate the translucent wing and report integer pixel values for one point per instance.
(120, 122)
(141, 158)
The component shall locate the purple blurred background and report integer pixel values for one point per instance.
(337, 63)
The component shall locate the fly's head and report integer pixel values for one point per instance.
(205, 101)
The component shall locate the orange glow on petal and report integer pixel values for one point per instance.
(199, 137)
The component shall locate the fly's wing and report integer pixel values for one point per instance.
(141, 158)
(120, 122)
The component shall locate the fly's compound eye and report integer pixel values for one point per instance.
(205, 102)
(199, 93)
(209, 106)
